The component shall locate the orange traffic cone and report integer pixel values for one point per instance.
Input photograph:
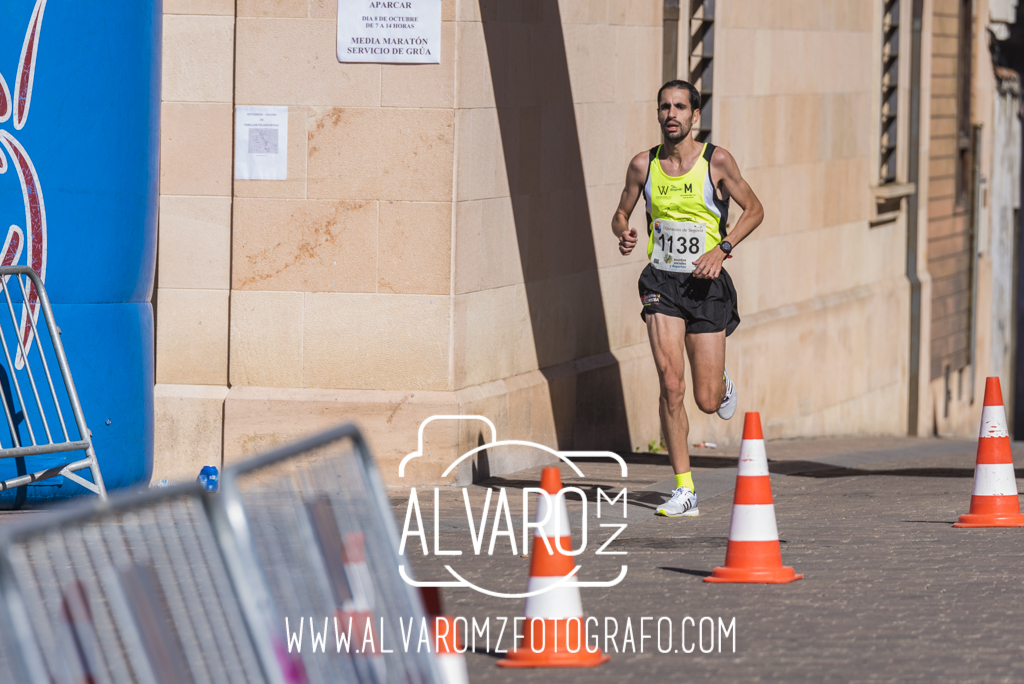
(994, 502)
(554, 618)
(449, 648)
(753, 553)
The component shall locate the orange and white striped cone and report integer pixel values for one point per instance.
(753, 553)
(361, 611)
(994, 502)
(554, 619)
(447, 645)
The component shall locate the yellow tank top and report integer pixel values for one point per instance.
(689, 198)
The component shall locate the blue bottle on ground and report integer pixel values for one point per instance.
(209, 478)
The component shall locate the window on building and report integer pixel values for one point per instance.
(890, 86)
(702, 52)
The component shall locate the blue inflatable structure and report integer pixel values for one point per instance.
(79, 136)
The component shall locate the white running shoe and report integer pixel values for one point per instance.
(730, 400)
(682, 503)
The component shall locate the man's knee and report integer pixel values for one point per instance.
(707, 400)
(673, 391)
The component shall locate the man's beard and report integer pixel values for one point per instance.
(677, 136)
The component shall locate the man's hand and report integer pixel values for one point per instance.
(627, 241)
(709, 265)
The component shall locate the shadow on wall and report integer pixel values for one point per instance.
(530, 72)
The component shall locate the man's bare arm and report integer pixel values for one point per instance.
(735, 187)
(731, 182)
(636, 176)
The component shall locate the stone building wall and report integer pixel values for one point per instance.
(192, 297)
(442, 242)
(822, 349)
(954, 408)
(416, 260)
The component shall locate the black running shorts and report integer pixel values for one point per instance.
(707, 306)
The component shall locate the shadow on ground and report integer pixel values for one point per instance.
(684, 571)
(793, 468)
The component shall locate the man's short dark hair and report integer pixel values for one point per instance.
(682, 85)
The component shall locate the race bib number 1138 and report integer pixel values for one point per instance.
(677, 245)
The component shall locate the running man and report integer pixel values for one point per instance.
(688, 299)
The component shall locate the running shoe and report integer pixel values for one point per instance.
(730, 400)
(683, 503)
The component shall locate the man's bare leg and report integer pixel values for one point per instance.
(671, 345)
(667, 336)
(707, 368)
(668, 342)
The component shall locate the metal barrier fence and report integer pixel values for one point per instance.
(178, 585)
(25, 356)
(314, 518)
(134, 590)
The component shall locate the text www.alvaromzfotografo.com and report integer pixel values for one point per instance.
(359, 633)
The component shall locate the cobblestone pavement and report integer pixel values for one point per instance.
(891, 591)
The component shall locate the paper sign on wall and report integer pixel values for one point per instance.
(389, 31)
(261, 143)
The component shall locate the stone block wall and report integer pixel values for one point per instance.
(415, 260)
(194, 267)
(442, 242)
(822, 349)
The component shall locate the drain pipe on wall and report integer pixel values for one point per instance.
(914, 154)
(976, 198)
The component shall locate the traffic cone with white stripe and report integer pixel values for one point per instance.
(553, 633)
(447, 644)
(753, 553)
(994, 502)
(360, 611)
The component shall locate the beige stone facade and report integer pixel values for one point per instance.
(442, 245)
(989, 209)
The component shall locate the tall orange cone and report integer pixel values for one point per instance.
(447, 644)
(994, 502)
(554, 619)
(753, 553)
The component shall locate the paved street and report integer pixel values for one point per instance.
(891, 591)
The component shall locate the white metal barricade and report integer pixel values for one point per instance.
(132, 590)
(30, 397)
(314, 519)
(15, 655)
(178, 585)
